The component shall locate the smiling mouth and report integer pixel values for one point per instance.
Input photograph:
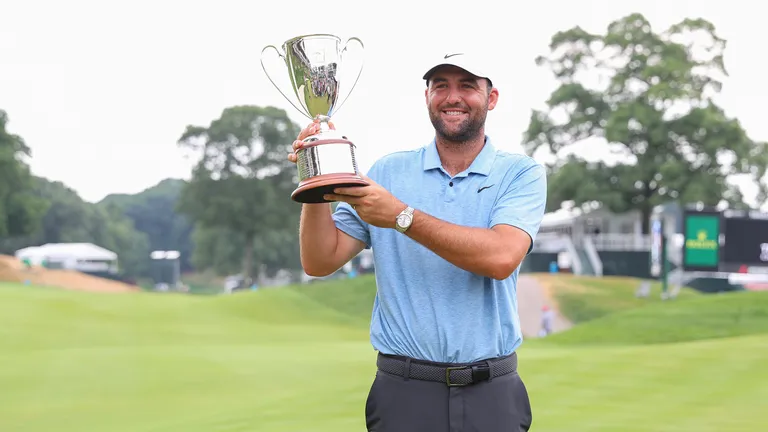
(454, 113)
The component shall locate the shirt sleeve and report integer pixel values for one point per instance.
(348, 221)
(523, 202)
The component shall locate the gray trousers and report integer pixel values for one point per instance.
(397, 403)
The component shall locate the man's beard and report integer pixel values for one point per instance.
(468, 129)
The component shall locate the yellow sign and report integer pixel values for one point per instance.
(701, 242)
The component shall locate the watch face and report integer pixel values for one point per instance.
(403, 220)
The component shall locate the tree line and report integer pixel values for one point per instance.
(655, 108)
(233, 216)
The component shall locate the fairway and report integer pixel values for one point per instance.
(298, 359)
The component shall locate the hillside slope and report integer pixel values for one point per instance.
(354, 297)
(583, 298)
(12, 270)
(704, 317)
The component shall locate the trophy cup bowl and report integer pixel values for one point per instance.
(326, 160)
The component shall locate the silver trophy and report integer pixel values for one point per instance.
(327, 159)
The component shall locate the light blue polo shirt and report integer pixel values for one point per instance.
(426, 307)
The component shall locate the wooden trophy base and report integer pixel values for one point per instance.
(325, 161)
(311, 191)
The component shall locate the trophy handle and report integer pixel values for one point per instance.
(273, 82)
(356, 39)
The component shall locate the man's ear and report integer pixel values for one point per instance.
(493, 98)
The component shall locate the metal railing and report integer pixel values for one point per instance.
(621, 242)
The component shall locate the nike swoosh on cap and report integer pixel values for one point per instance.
(451, 55)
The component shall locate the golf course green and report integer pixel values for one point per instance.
(298, 359)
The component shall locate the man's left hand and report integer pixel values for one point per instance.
(375, 205)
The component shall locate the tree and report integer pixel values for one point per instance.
(153, 213)
(243, 181)
(655, 111)
(20, 210)
(221, 249)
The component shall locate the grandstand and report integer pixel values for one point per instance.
(592, 240)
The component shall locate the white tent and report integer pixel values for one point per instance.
(75, 256)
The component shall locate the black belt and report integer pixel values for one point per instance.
(453, 376)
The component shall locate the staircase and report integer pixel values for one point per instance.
(586, 263)
(593, 257)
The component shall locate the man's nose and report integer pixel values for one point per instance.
(454, 96)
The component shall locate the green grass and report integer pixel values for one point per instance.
(298, 359)
(352, 298)
(714, 385)
(583, 298)
(73, 361)
(702, 317)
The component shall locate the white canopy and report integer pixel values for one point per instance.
(66, 252)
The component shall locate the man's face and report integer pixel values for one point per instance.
(458, 103)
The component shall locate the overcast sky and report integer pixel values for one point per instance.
(102, 90)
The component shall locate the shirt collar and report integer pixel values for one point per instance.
(481, 165)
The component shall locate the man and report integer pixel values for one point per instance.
(547, 320)
(448, 224)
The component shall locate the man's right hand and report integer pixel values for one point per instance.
(310, 130)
